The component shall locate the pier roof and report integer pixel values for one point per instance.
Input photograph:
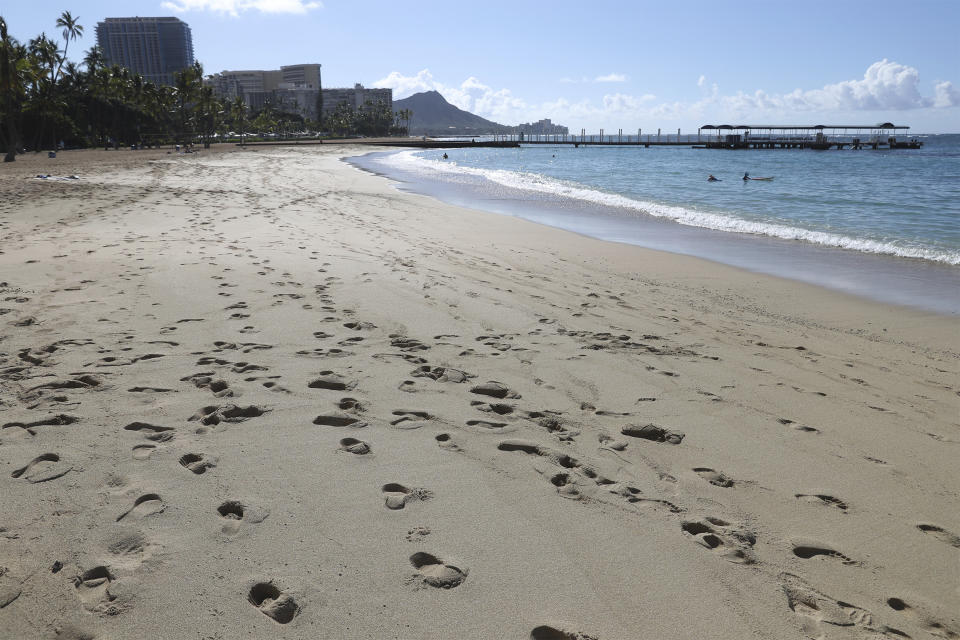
(805, 127)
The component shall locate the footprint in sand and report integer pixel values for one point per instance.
(494, 390)
(499, 408)
(151, 431)
(407, 344)
(214, 415)
(205, 380)
(30, 427)
(713, 477)
(608, 442)
(547, 632)
(272, 602)
(360, 326)
(143, 451)
(483, 424)
(339, 420)
(93, 587)
(324, 353)
(808, 551)
(128, 547)
(734, 544)
(441, 374)
(653, 433)
(417, 534)
(444, 441)
(434, 572)
(926, 622)
(148, 504)
(235, 512)
(940, 534)
(408, 386)
(566, 486)
(823, 499)
(822, 615)
(357, 447)
(197, 463)
(43, 468)
(396, 496)
(409, 418)
(332, 381)
(351, 404)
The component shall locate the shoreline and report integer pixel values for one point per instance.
(256, 388)
(901, 281)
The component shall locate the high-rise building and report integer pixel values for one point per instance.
(155, 48)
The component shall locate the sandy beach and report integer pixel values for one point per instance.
(260, 393)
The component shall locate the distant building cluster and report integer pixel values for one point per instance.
(294, 89)
(155, 48)
(542, 127)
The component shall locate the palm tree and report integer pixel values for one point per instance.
(186, 83)
(12, 68)
(44, 57)
(208, 108)
(72, 29)
(238, 110)
(94, 59)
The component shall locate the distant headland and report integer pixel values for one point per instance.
(433, 115)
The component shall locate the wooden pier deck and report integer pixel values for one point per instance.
(813, 137)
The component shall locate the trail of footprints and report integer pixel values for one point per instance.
(572, 478)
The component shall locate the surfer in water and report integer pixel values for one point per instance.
(746, 176)
(713, 179)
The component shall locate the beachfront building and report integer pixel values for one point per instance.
(542, 127)
(354, 97)
(293, 89)
(155, 48)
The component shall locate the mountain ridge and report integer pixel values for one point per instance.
(433, 115)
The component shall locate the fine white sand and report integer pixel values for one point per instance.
(262, 394)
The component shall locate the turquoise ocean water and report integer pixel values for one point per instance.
(879, 223)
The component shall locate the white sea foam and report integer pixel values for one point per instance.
(534, 182)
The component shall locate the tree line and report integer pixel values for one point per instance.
(48, 102)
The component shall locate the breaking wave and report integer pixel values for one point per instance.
(537, 183)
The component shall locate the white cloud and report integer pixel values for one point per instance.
(404, 86)
(886, 86)
(471, 95)
(946, 95)
(620, 102)
(236, 7)
(611, 77)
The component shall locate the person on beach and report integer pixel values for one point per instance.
(713, 179)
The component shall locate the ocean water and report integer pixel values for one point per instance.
(879, 223)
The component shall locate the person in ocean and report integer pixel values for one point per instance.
(445, 156)
(713, 179)
(746, 176)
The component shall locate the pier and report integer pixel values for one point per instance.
(818, 137)
(724, 136)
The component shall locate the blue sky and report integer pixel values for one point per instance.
(591, 64)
